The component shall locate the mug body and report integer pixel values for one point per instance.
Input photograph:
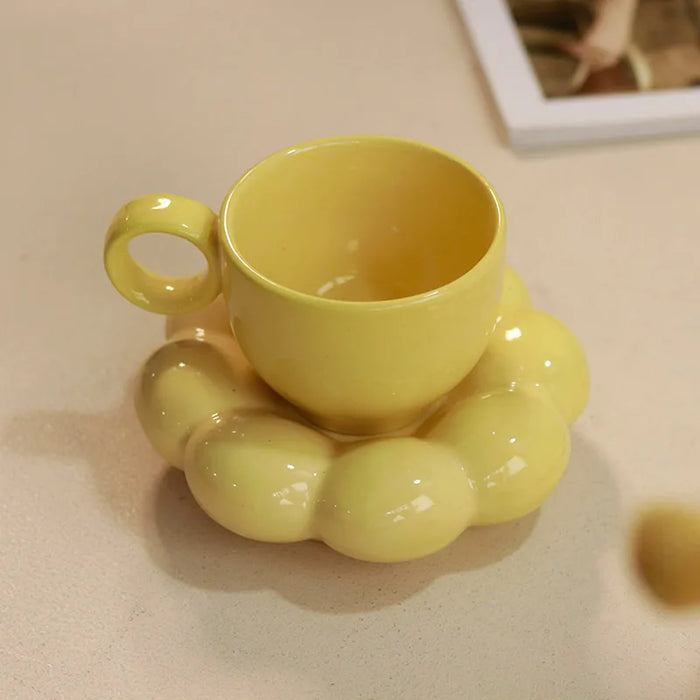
(362, 276)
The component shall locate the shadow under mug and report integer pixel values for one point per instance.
(361, 273)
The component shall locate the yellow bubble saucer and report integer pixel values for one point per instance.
(492, 450)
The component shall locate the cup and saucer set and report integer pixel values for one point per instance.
(357, 364)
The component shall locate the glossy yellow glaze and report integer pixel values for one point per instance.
(178, 216)
(258, 468)
(531, 348)
(259, 474)
(514, 445)
(188, 383)
(350, 265)
(394, 499)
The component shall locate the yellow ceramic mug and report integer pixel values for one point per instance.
(361, 273)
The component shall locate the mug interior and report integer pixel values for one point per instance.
(361, 219)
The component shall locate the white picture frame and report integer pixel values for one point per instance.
(535, 121)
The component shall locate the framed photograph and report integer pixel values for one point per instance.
(576, 71)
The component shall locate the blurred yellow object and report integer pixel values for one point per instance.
(667, 553)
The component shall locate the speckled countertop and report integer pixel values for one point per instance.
(112, 582)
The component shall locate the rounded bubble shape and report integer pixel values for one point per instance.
(531, 347)
(187, 383)
(514, 445)
(258, 475)
(395, 499)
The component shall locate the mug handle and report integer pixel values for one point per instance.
(178, 216)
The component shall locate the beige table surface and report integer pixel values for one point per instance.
(112, 583)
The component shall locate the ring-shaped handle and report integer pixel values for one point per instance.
(177, 216)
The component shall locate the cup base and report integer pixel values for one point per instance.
(353, 428)
(490, 451)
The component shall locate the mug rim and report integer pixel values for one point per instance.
(271, 285)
